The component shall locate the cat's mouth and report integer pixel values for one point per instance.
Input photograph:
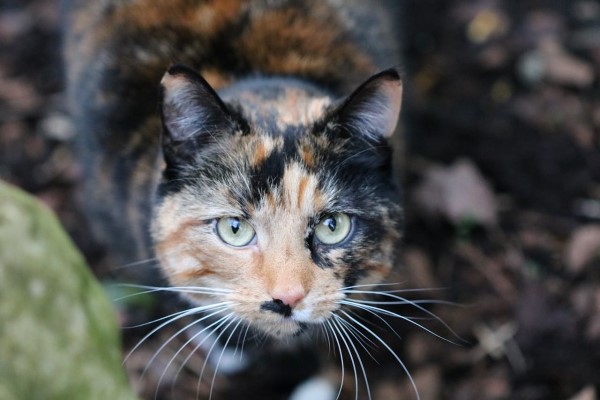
(281, 320)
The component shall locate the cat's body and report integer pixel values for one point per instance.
(272, 201)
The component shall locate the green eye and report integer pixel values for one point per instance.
(333, 228)
(235, 231)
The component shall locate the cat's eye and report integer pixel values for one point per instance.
(235, 231)
(333, 228)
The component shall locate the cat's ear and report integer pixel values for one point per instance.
(193, 114)
(373, 109)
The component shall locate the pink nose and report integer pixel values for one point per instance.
(288, 295)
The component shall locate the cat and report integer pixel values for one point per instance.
(245, 146)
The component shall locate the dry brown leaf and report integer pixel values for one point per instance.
(583, 246)
(587, 393)
(458, 192)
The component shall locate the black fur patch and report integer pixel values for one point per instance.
(278, 307)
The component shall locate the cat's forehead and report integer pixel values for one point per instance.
(264, 176)
(299, 193)
(272, 106)
(282, 177)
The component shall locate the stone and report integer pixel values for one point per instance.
(58, 337)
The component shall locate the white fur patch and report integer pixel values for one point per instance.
(304, 315)
(316, 388)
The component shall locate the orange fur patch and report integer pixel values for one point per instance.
(260, 154)
(307, 157)
(207, 18)
(288, 41)
(177, 237)
(301, 189)
(215, 78)
(193, 275)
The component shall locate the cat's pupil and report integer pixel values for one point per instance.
(235, 225)
(330, 223)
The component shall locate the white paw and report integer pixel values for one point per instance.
(316, 388)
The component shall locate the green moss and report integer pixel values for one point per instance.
(58, 334)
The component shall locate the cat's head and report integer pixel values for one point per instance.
(276, 199)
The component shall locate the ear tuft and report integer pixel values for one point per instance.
(373, 109)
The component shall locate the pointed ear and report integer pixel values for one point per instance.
(193, 114)
(373, 109)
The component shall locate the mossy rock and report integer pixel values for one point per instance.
(58, 333)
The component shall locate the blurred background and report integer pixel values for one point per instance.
(502, 173)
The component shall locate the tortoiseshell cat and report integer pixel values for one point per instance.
(269, 194)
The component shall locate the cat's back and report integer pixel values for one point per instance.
(331, 42)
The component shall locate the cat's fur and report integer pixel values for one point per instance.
(295, 131)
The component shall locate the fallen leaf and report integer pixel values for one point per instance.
(587, 393)
(583, 246)
(458, 192)
(564, 68)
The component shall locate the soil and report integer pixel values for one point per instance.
(502, 183)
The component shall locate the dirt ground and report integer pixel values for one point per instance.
(502, 172)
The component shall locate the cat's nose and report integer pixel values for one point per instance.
(285, 298)
(290, 296)
(290, 300)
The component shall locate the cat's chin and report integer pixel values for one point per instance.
(282, 330)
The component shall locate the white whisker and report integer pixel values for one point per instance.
(216, 324)
(243, 340)
(375, 336)
(329, 324)
(360, 337)
(232, 318)
(138, 263)
(370, 285)
(417, 305)
(212, 382)
(178, 316)
(177, 289)
(383, 311)
(350, 329)
(155, 320)
(339, 330)
(353, 288)
(198, 309)
(325, 334)
(155, 259)
(409, 302)
(166, 343)
(174, 356)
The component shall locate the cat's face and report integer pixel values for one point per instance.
(277, 200)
